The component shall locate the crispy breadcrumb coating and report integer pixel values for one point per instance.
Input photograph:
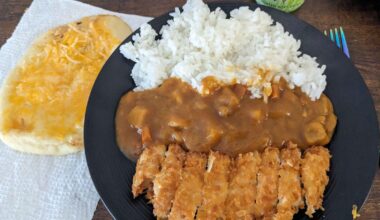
(166, 182)
(267, 182)
(240, 203)
(148, 166)
(215, 187)
(289, 184)
(314, 167)
(188, 196)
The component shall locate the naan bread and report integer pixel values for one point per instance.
(43, 99)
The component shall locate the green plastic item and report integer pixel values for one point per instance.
(283, 5)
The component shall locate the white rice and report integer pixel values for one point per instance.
(198, 43)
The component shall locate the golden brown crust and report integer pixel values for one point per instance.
(267, 182)
(284, 215)
(188, 196)
(215, 187)
(166, 182)
(148, 166)
(250, 186)
(240, 203)
(314, 167)
(289, 184)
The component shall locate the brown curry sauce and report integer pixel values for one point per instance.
(227, 119)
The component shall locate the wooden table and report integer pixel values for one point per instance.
(360, 18)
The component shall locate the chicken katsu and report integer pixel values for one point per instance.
(289, 184)
(267, 182)
(188, 196)
(215, 187)
(166, 182)
(229, 156)
(240, 203)
(315, 164)
(148, 166)
(273, 184)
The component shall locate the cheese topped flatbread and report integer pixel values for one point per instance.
(43, 100)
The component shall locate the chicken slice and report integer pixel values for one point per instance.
(240, 203)
(166, 182)
(215, 187)
(188, 196)
(148, 166)
(267, 182)
(314, 167)
(289, 184)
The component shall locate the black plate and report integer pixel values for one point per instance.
(354, 145)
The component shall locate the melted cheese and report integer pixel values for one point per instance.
(49, 94)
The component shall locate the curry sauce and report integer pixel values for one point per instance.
(227, 120)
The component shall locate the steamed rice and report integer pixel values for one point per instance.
(198, 43)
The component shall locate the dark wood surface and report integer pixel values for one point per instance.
(360, 19)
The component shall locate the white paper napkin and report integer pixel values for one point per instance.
(44, 187)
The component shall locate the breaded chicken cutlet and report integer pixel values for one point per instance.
(148, 166)
(289, 184)
(267, 182)
(166, 182)
(215, 187)
(240, 203)
(315, 164)
(272, 185)
(188, 196)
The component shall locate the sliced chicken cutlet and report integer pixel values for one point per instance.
(267, 182)
(289, 184)
(240, 203)
(188, 196)
(148, 166)
(314, 167)
(215, 187)
(166, 182)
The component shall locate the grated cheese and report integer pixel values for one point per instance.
(52, 86)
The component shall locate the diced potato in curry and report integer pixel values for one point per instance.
(137, 116)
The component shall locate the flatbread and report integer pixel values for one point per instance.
(43, 99)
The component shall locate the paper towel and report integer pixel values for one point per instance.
(46, 187)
